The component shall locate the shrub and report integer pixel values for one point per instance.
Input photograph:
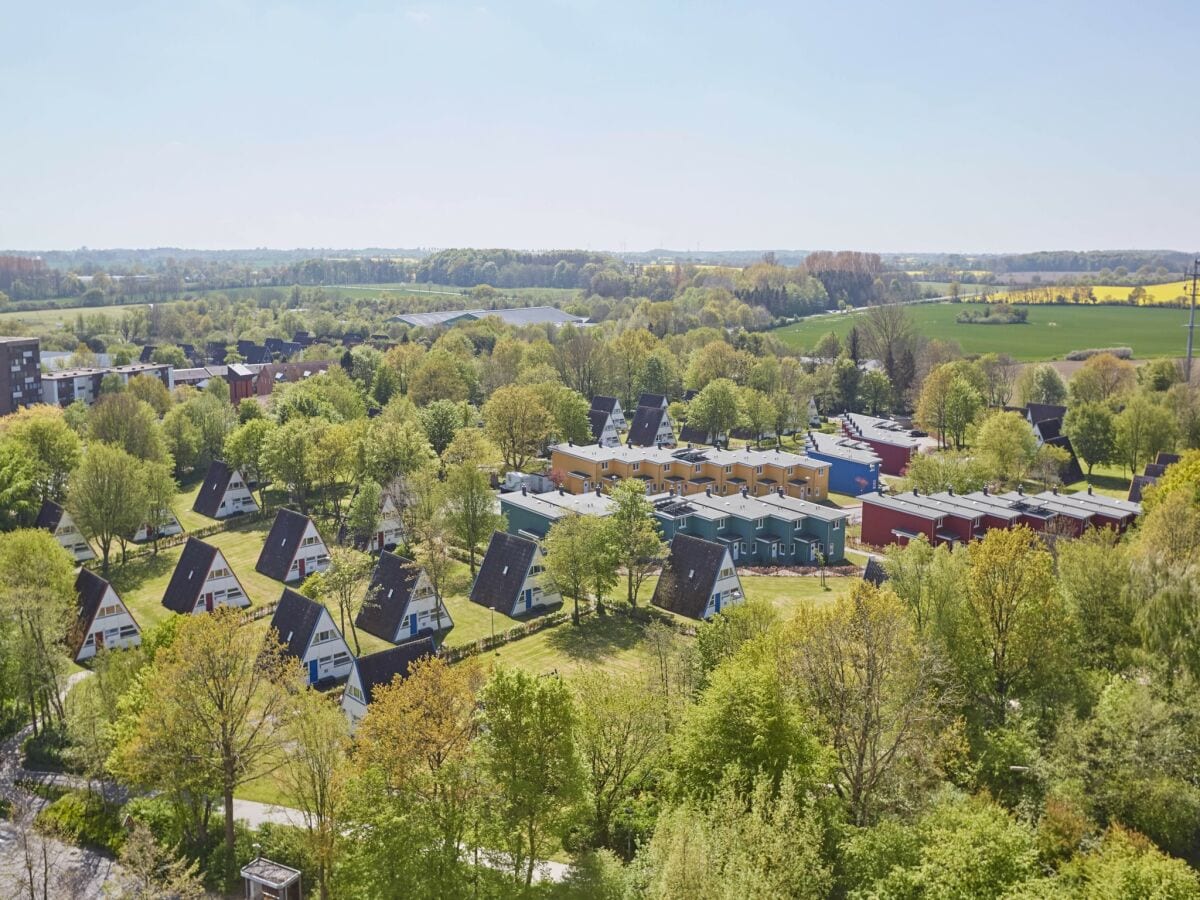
(48, 751)
(83, 818)
(1118, 352)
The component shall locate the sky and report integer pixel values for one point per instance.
(890, 126)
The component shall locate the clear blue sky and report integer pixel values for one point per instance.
(608, 125)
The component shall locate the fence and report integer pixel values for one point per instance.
(258, 612)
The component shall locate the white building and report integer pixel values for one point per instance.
(203, 581)
(102, 621)
(308, 633)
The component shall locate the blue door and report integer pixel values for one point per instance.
(717, 600)
(312, 671)
(412, 623)
(529, 598)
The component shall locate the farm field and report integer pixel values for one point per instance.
(1155, 293)
(1050, 333)
(47, 319)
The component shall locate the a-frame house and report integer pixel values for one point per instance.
(377, 669)
(308, 633)
(224, 493)
(102, 621)
(512, 577)
(59, 523)
(698, 579)
(293, 549)
(202, 581)
(400, 602)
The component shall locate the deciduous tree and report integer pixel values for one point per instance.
(107, 497)
(517, 423)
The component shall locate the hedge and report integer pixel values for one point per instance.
(83, 818)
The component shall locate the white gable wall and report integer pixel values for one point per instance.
(111, 628)
(609, 436)
(666, 431)
(422, 606)
(220, 587)
(72, 540)
(354, 701)
(538, 590)
(389, 530)
(618, 416)
(237, 497)
(165, 530)
(328, 648)
(312, 553)
(727, 586)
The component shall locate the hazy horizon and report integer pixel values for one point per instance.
(576, 124)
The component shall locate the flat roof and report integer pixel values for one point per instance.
(555, 505)
(980, 503)
(1097, 502)
(842, 447)
(904, 503)
(883, 430)
(690, 456)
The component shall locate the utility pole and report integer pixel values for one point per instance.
(1191, 325)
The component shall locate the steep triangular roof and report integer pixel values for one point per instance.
(1138, 485)
(388, 595)
(502, 572)
(380, 668)
(652, 400)
(283, 540)
(598, 418)
(90, 589)
(690, 434)
(875, 571)
(216, 481)
(295, 619)
(49, 516)
(605, 404)
(688, 575)
(187, 580)
(644, 429)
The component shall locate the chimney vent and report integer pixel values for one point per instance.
(1020, 490)
(950, 491)
(708, 492)
(1089, 490)
(985, 491)
(524, 491)
(561, 492)
(597, 490)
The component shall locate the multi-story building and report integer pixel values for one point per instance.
(854, 465)
(65, 387)
(20, 373)
(692, 470)
(894, 444)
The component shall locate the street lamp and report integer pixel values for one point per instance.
(493, 611)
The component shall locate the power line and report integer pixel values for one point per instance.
(1191, 325)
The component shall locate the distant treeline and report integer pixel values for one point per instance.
(1090, 261)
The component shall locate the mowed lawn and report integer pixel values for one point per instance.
(46, 319)
(1051, 332)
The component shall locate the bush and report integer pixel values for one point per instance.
(1118, 352)
(83, 818)
(48, 751)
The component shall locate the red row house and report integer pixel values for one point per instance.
(949, 518)
(894, 444)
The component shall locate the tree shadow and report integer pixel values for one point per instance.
(136, 572)
(596, 637)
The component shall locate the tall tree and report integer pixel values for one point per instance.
(107, 497)
(50, 443)
(471, 509)
(342, 586)
(129, 423)
(246, 451)
(1006, 445)
(577, 557)
(517, 423)
(527, 748)
(1093, 433)
(633, 533)
(1041, 384)
(441, 420)
(715, 410)
(1143, 428)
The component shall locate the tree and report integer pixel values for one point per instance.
(1006, 446)
(362, 521)
(876, 391)
(441, 420)
(471, 446)
(621, 735)
(999, 371)
(342, 586)
(1101, 378)
(129, 423)
(182, 439)
(931, 412)
(1049, 464)
(419, 735)
(517, 423)
(1092, 431)
(715, 410)
(1010, 630)
(931, 473)
(578, 556)
(37, 598)
(51, 444)
(1041, 384)
(633, 533)
(927, 580)
(439, 376)
(207, 720)
(170, 355)
(160, 488)
(313, 781)
(527, 749)
(471, 509)
(431, 554)
(962, 406)
(876, 690)
(1143, 429)
(18, 485)
(152, 391)
(288, 457)
(1093, 573)
(153, 871)
(846, 380)
(107, 497)
(246, 450)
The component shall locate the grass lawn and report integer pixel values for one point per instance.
(837, 500)
(48, 319)
(1051, 332)
(1109, 480)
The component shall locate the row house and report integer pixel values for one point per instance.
(894, 444)
(693, 470)
(65, 387)
(949, 518)
(531, 515)
(854, 466)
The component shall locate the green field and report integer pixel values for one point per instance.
(47, 319)
(1050, 333)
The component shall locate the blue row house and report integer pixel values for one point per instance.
(512, 577)
(853, 465)
(309, 635)
(530, 515)
(698, 579)
(400, 602)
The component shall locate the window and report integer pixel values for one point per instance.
(112, 610)
(636, 466)
(759, 523)
(322, 636)
(758, 470)
(218, 573)
(727, 573)
(354, 692)
(604, 466)
(837, 524)
(310, 540)
(341, 659)
(790, 469)
(728, 469)
(721, 523)
(534, 569)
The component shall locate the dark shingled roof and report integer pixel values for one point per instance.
(652, 400)
(1039, 412)
(216, 480)
(692, 435)
(380, 668)
(688, 575)
(188, 578)
(281, 544)
(503, 570)
(644, 427)
(256, 355)
(607, 404)
(1167, 459)
(90, 589)
(382, 614)
(1049, 429)
(1073, 471)
(598, 418)
(1138, 485)
(49, 516)
(295, 619)
(875, 572)
(1154, 470)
